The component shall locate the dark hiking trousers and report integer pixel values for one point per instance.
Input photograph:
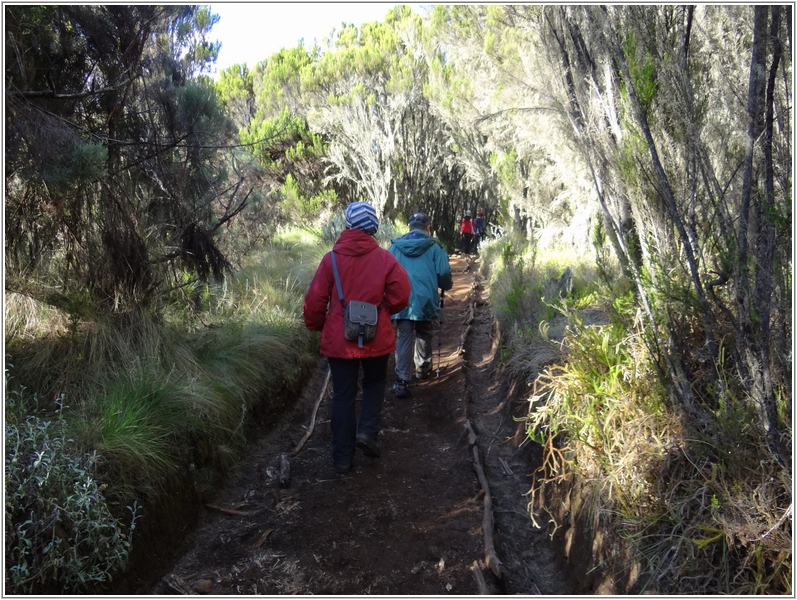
(345, 373)
(467, 243)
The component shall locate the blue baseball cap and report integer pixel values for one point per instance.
(419, 219)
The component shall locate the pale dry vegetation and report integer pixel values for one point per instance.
(694, 507)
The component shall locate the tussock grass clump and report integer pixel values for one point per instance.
(146, 398)
(28, 319)
(133, 427)
(605, 403)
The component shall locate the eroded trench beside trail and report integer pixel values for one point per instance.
(444, 511)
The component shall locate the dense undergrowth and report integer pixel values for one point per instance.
(699, 505)
(104, 412)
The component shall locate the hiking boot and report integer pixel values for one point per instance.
(423, 373)
(400, 389)
(343, 467)
(368, 445)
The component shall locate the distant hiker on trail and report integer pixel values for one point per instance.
(426, 263)
(466, 229)
(478, 229)
(366, 275)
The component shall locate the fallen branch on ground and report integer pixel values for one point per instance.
(467, 323)
(312, 419)
(262, 538)
(786, 515)
(491, 558)
(230, 511)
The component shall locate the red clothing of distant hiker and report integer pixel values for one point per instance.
(466, 229)
(368, 273)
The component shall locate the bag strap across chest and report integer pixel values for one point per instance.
(337, 279)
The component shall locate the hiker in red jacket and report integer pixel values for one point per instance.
(367, 273)
(466, 229)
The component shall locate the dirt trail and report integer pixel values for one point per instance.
(410, 523)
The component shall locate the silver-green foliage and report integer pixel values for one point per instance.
(59, 529)
(336, 224)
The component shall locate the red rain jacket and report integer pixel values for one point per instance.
(466, 226)
(367, 273)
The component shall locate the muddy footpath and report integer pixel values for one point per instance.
(443, 511)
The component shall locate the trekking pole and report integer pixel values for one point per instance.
(440, 331)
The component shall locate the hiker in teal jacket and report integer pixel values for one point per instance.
(426, 263)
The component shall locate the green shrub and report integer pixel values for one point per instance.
(60, 534)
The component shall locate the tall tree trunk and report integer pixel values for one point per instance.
(754, 303)
(755, 127)
(665, 189)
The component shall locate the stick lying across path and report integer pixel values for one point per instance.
(312, 419)
(491, 558)
(230, 511)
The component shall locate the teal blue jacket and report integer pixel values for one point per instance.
(426, 263)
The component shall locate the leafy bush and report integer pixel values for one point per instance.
(59, 530)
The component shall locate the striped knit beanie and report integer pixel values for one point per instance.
(362, 216)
